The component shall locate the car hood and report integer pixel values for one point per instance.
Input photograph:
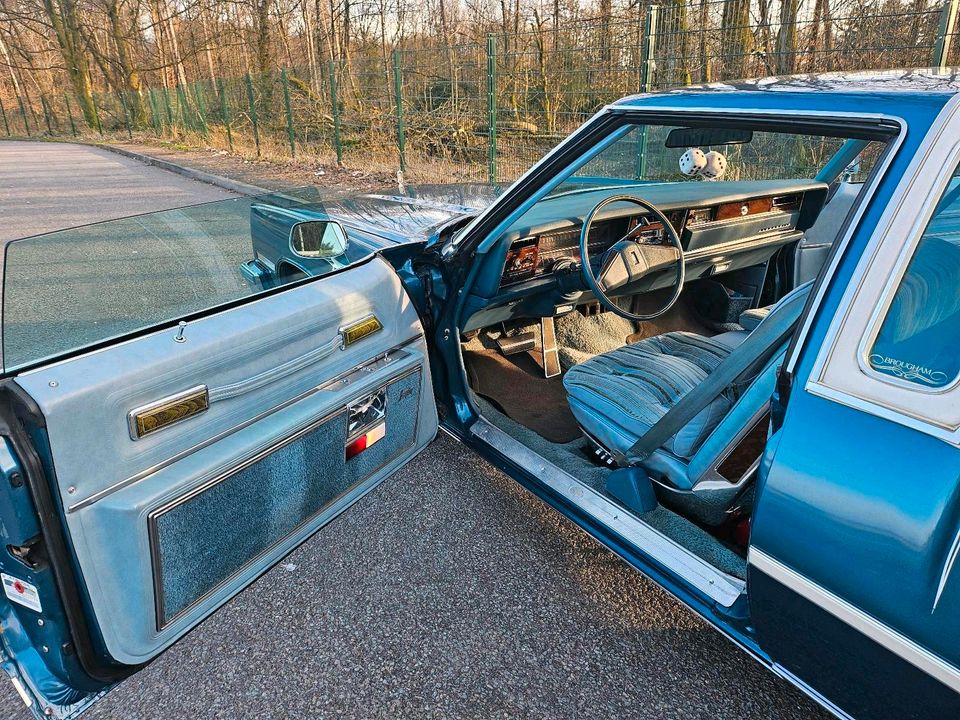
(416, 213)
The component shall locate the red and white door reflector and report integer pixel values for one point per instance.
(366, 440)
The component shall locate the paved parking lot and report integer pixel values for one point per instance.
(448, 592)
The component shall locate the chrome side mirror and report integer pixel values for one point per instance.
(318, 239)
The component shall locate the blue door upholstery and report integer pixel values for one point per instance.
(168, 525)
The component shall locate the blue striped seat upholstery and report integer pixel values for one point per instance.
(619, 395)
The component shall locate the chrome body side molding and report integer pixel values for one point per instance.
(883, 635)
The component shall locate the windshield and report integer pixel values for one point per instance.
(691, 167)
(74, 288)
(671, 153)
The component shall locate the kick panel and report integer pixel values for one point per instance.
(202, 540)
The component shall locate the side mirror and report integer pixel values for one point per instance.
(318, 239)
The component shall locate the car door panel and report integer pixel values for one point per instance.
(166, 526)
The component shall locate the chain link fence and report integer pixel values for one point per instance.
(486, 111)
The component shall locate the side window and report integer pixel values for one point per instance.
(70, 289)
(920, 333)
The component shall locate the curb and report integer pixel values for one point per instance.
(199, 175)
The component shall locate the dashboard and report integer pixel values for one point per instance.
(717, 223)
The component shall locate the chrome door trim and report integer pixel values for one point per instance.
(134, 415)
(882, 634)
(343, 379)
(718, 586)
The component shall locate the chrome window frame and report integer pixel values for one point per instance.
(841, 370)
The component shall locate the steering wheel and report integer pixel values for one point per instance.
(628, 260)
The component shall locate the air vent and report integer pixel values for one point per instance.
(787, 202)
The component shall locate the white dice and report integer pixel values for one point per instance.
(715, 165)
(692, 162)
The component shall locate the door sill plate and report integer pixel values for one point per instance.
(718, 586)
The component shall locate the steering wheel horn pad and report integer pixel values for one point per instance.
(628, 261)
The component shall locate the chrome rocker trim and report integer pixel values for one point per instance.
(718, 586)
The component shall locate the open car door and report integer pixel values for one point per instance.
(150, 474)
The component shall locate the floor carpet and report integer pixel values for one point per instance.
(516, 385)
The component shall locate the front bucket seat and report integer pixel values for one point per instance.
(674, 404)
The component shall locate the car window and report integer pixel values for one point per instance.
(650, 153)
(67, 290)
(920, 333)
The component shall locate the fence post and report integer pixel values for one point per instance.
(201, 108)
(492, 107)
(649, 62)
(155, 118)
(286, 101)
(96, 114)
(944, 41)
(46, 114)
(398, 90)
(225, 112)
(253, 113)
(648, 65)
(335, 106)
(3, 112)
(126, 113)
(185, 122)
(166, 102)
(73, 125)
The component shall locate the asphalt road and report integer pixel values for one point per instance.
(448, 592)
(47, 186)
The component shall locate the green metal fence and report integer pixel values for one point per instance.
(486, 111)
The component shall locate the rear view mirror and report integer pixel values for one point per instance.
(318, 239)
(705, 137)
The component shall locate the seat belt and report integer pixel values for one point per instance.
(759, 346)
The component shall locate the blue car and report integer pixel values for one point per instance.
(718, 328)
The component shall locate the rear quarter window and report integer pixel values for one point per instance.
(919, 336)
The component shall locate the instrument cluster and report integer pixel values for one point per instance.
(537, 255)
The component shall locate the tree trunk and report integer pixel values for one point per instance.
(606, 12)
(130, 75)
(705, 74)
(262, 39)
(62, 16)
(737, 40)
(787, 37)
(207, 42)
